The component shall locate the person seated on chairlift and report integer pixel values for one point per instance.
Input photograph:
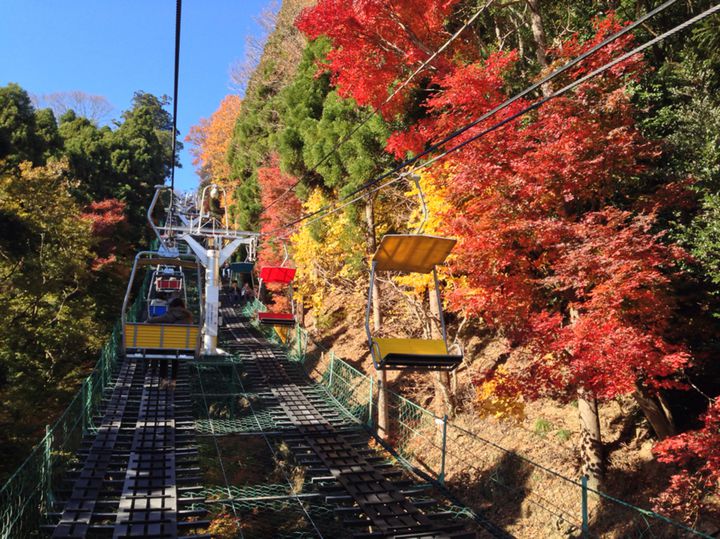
(235, 293)
(248, 293)
(176, 313)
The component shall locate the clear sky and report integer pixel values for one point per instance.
(115, 47)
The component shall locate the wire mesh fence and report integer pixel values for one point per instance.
(502, 485)
(28, 494)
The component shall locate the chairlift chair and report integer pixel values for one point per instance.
(163, 341)
(411, 253)
(165, 281)
(281, 275)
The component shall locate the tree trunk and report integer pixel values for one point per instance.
(383, 414)
(383, 411)
(443, 389)
(590, 439)
(300, 311)
(656, 412)
(538, 32)
(372, 247)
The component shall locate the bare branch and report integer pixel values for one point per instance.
(94, 107)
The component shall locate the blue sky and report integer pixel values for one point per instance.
(115, 47)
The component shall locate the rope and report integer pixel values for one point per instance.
(372, 113)
(354, 197)
(178, 17)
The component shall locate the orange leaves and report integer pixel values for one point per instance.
(211, 139)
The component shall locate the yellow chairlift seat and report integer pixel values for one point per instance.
(175, 337)
(414, 353)
(411, 253)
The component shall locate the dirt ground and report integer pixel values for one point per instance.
(507, 470)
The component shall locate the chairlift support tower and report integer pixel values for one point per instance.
(210, 239)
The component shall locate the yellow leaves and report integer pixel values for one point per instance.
(503, 405)
(433, 184)
(225, 526)
(325, 252)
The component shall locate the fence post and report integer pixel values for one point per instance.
(332, 369)
(84, 406)
(370, 402)
(585, 525)
(48, 467)
(441, 477)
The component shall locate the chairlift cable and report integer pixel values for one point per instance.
(364, 190)
(387, 100)
(178, 18)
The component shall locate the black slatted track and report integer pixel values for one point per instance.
(139, 468)
(372, 497)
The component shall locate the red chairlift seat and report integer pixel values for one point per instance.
(277, 274)
(280, 275)
(276, 319)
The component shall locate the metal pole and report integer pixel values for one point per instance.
(370, 403)
(212, 299)
(585, 524)
(441, 477)
(332, 369)
(48, 465)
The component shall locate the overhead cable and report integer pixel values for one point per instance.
(372, 113)
(364, 190)
(178, 17)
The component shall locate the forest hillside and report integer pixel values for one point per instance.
(584, 284)
(73, 197)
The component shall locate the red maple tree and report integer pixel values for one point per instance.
(108, 226)
(697, 455)
(559, 250)
(281, 208)
(378, 42)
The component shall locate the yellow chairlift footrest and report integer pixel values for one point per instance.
(440, 362)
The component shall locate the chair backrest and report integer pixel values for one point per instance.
(242, 267)
(168, 284)
(412, 252)
(161, 336)
(277, 274)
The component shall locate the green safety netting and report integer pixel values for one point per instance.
(463, 463)
(28, 494)
(471, 467)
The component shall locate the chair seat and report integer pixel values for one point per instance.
(277, 319)
(420, 354)
(242, 267)
(161, 336)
